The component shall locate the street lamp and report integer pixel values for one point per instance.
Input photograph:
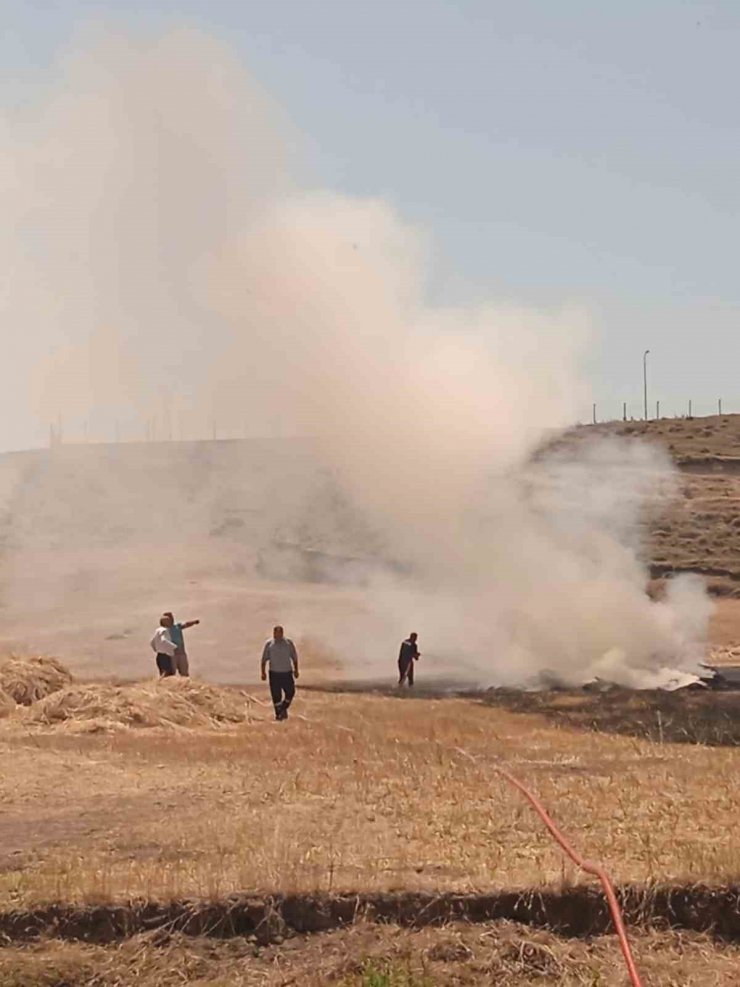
(644, 380)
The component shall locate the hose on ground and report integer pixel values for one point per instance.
(585, 865)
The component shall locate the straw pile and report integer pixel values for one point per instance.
(7, 704)
(26, 680)
(166, 703)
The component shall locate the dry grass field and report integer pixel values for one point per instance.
(356, 793)
(119, 802)
(372, 955)
(700, 532)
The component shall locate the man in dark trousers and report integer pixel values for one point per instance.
(408, 654)
(164, 648)
(180, 657)
(281, 655)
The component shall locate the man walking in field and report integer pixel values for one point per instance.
(180, 658)
(408, 654)
(164, 648)
(281, 655)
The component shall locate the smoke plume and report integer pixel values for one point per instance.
(174, 276)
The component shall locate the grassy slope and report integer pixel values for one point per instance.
(701, 530)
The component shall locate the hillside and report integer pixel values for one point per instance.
(95, 541)
(700, 531)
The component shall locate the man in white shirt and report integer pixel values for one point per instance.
(176, 628)
(281, 655)
(164, 648)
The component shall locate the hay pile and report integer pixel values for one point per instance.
(26, 680)
(7, 704)
(168, 702)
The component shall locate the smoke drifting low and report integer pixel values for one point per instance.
(169, 267)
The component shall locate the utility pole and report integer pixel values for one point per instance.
(594, 412)
(689, 407)
(657, 409)
(624, 411)
(644, 380)
(720, 407)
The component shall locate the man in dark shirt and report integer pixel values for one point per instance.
(408, 654)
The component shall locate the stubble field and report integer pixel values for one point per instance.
(368, 841)
(366, 799)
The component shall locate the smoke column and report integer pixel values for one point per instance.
(157, 234)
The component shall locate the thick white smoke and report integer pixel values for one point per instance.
(171, 273)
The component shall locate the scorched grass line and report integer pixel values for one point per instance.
(576, 912)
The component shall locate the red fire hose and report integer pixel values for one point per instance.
(578, 860)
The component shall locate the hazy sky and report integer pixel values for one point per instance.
(569, 152)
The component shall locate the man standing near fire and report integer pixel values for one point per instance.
(408, 654)
(281, 655)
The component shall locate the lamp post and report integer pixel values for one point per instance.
(644, 380)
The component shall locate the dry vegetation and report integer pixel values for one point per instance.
(689, 440)
(206, 795)
(171, 790)
(166, 703)
(354, 792)
(700, 532)
(26, 680)
(367, 955)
